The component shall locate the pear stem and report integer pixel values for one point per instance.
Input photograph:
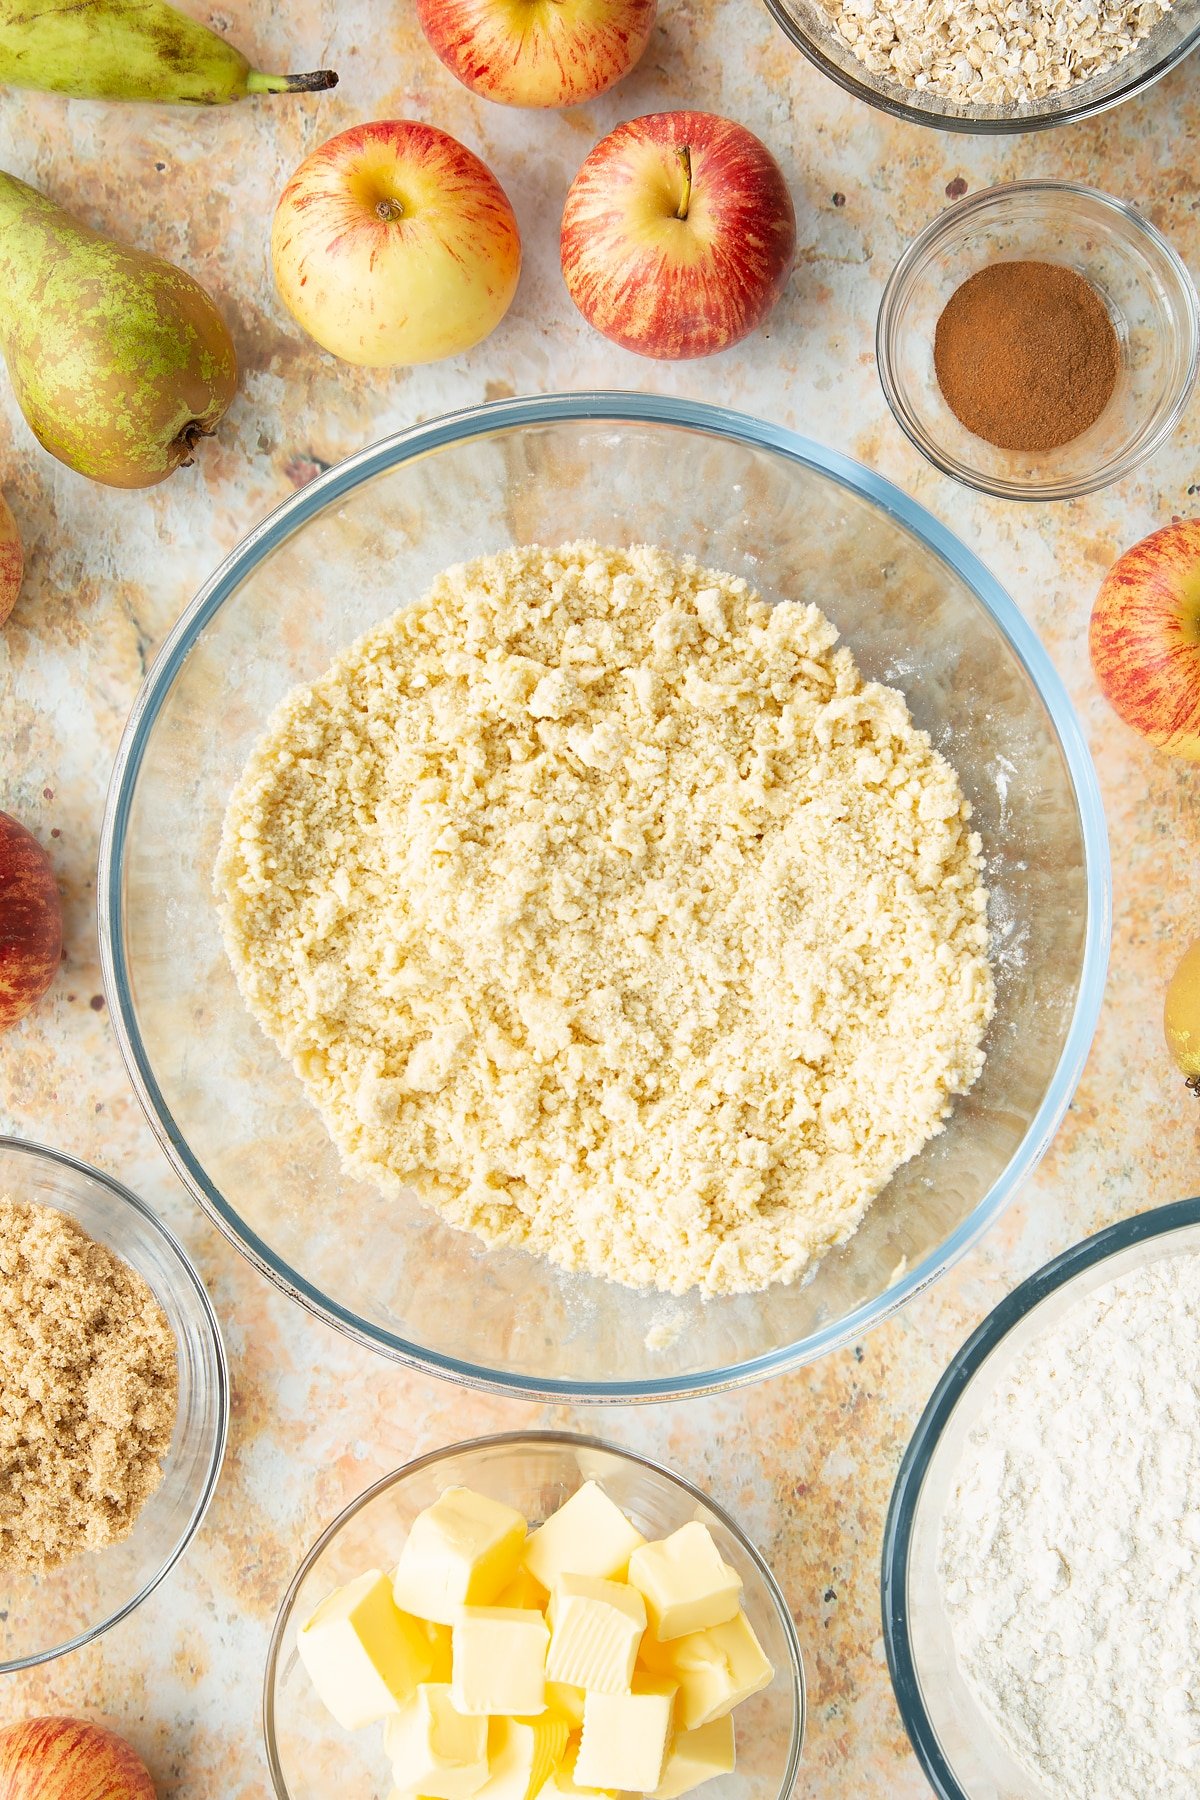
(314, 83)
(684, 156)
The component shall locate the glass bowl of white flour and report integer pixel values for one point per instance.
(1041, 1564)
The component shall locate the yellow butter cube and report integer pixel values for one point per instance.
(561, 1783)
(499, 1662)
(696, 1756)
(562, 1698)
(523, 1590)
(716, 1669)
(588, 1535)
(439, 1649)
(460, 1552)
(435, 1750)
(364, 1656)
(522, 1753)
(684, 1582)
(626, 1737)
(596, 1627)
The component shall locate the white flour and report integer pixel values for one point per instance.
(1070, 1551)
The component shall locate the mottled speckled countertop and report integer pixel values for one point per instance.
(807, 1461)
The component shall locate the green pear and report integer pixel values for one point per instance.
(130, 50)
(121, 362)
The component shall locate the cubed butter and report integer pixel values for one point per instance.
(626, 1737)
(522, 1753)
(561, 1783)
(695, 1757)
(435, 1750)
(461, 1551)
(440, 1643)
(596, 1627)
(364, 1656)
(523, 1590)
(684, 1582)
(499, 1662)
(567, 1700)
(588, 1535)
(716, 1669)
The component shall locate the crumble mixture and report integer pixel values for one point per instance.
(610, 909)
(88, 1391)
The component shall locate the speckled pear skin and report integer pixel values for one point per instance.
(120, 361)
(130, 50)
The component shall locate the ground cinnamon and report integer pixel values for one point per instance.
(1026, 355)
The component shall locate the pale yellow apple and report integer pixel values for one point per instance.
(393, 243)
(538, 52)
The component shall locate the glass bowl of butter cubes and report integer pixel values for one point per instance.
(531, 1617)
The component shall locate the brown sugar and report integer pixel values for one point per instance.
(88, 1390)
(1026, 355)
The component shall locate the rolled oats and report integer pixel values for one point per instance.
(993, 52)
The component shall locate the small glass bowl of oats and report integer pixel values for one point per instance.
(1145, 290)
(97, 1249)
(981, 66)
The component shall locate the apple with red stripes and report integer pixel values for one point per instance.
(393, 243)
(538, 52)
(69, 1759)
(1144, 638)
(30, 926)
(678, 235)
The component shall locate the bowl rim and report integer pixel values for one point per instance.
(612, 407)
(1014, 124)
(953, 1386)
(944, 225)
(124, 1196)
(529, 1440)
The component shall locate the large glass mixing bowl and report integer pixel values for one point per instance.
(798, 521)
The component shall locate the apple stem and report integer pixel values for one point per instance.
(684, 153)
(1193, 1084)
(389, 209)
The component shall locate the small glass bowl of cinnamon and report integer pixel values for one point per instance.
(1038, 340)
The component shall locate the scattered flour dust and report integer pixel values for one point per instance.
(1070, 1550)
(613, 911)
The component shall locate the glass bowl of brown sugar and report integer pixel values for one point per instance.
(86, 1267)
(1038, 340)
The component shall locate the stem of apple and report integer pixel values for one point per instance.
(388, 209)
(684, 154)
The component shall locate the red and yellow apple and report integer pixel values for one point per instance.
(69, 1759)
(393, 243)
(30, 929)
(678, 234)
(538, 52)
(12, 560)
(1145, 638)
